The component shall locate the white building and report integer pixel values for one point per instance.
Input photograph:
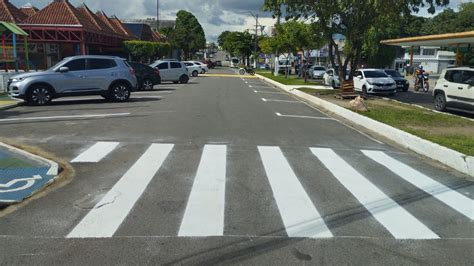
(433, 59)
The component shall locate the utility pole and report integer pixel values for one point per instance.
(256, 37)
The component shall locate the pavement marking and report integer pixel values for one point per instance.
(107, 215)
(96, 152)
(399, 222)
(452, 198)
(303, 116)
(282, 101)
(204, 215)
(63, 117)
(299, 215)
(227, 76)
(270, 92)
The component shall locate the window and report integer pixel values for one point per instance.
(454, 76)
(101, 64)
(163, 65)
(375, 74)
(175, 65)
(359, 73)
(467, 77)
(76, 65)
(189, 64)
(429, 51)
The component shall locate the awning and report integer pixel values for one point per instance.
(11, 27)
(443, 40)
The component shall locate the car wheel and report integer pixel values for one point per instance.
(39, 95)
(120, 92)
(364, 90)
(440, 102)
(147, 85)
(195, 73)
(183, 79)
(175, 82)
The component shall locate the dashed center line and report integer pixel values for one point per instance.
(303, 116)
(282, 101)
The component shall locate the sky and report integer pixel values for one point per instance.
(215, 16)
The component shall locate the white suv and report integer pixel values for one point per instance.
(455, 89)
(374, 81)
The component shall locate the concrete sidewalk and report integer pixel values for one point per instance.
(7, 102)
(22, 174)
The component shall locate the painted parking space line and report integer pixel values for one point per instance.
(269, 92)
(96, 153)
(299, 215)
(281, 101)
(204, 215)
(307, 117)
(63, 117)
(399, 222)
(107, 215)
(452, 198)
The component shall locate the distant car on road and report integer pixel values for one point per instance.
(172, 71)
(402, 83)
(147, 77)
(193, 68)
(374, 81)
(331, 77)
(111, 77)
(204, 67)
(317, 72)
(455, 89)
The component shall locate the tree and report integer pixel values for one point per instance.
(237, 43)
(351, 18)
(188, 34)
(144, 51)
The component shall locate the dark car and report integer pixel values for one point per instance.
(402, 83)
(219, 63)
(147, 77)
(209, 64)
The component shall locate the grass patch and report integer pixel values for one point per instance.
(291, 80)
(319, 92)
(449, 131)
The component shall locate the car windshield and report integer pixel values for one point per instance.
(319, 68)
(375, 74)
(283, 62)
(60, 63)
(393, 73)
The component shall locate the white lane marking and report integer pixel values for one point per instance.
(107, 215)
(250, 86)
(63, 117)
(452, 198)
(204, 215)
(399, 222)
(281, 101)
(302, 116)
(300, 217)
(96, 152)
(147, 97)
(270, 92)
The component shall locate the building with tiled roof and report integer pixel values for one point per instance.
(10, 13)
(94, 19)
(29, 10)
(118, 24)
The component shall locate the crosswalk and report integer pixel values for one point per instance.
(301, 215)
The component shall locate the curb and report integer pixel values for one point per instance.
(9, 106)
(451, 158)
(53, 166)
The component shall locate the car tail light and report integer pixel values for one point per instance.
(131, 71)
(157, 71)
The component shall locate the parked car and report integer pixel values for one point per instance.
(331, 77)
(193, 68)
(204, 67)
(209, 64)
(172, 71)
(111, 77)
(455, 89)
(219, 63)
(147, 77)
(317, 72)
(402, 83)
(374, 81)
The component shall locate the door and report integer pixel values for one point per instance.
(457, 88)
(176, 70)
(358, 82)
(100, 73)
(74, 79)
(164, 71)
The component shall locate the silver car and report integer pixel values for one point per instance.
(174, 71)
(110, 77)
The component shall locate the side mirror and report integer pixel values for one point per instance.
(64, 69)
(359, 77)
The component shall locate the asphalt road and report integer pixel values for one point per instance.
(229, 170)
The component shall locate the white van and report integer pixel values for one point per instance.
(234, 62)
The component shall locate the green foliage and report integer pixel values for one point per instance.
(237, 43)
(144, 49)
(188, 34)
